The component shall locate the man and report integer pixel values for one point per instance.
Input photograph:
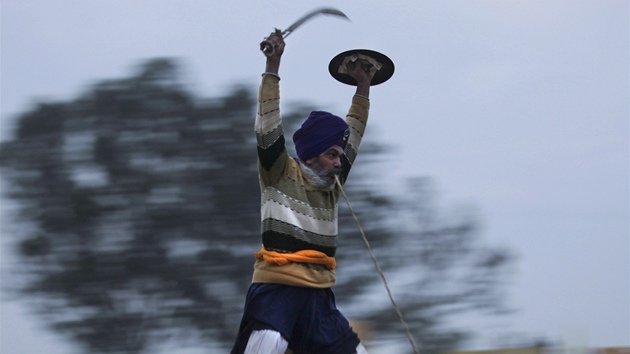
(290, 306)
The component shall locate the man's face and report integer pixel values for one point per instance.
(327, 164)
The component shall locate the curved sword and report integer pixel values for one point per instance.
(269, 49)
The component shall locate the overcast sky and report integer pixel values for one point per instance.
(517, 107)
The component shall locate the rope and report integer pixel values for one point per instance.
(379, 270)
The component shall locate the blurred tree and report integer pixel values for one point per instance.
(145, 203)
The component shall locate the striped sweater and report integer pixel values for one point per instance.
(295, 215)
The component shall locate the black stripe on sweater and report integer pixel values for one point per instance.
(275, 241)
(269, 156)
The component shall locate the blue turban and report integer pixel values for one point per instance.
(318, 133)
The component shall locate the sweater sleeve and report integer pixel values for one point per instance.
(356, 118)
(272, 154)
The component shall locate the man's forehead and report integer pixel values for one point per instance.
(336, 148)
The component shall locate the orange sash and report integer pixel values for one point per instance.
(303, 256)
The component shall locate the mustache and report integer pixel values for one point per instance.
(335, 171)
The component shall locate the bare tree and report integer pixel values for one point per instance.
(145, 204)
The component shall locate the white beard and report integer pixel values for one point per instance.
(317, 176)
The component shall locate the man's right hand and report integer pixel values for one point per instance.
(273, 61)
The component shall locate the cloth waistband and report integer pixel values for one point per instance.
(303, 256)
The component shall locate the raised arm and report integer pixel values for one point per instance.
(357, 116)
(268, 126)
(273, 61)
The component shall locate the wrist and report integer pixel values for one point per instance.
(272, 66)
(363, 89)
(271, 74)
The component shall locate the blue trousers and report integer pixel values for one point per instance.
(307, 318)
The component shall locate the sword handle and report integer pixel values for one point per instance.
(267, 48)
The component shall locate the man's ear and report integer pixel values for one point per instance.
(309, 162)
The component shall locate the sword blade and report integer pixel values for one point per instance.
(268, 49)
(308, 16)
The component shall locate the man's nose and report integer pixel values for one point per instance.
(337, 162)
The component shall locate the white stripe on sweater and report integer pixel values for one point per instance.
(305, 220)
